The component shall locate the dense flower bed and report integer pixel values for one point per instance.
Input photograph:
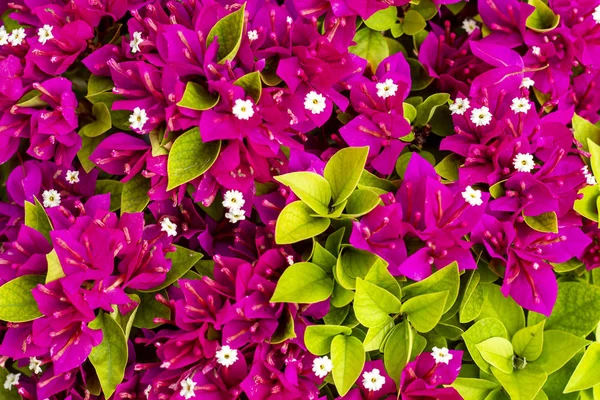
(299, 199)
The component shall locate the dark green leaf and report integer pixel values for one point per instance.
(36, 218)
(413, 22)
(134, 197)
(545, 222)
(182, 260)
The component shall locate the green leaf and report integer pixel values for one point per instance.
(102, 123)
(228, 31)
(303, 282)
(318, 338)
(472, 300)
(182, 260)
(397, 30)
(114, 188)
(134, 197)
(109, 358)
(190, 157)
(16, 301)
(380, 276)
(576, 308)
(251, 84)
(474, 389)
(410, 112)
(545, 222)
(31, 99)
(498, 352)
(348, 358)
(36, 218)
(285, 330)
(482, 330)
(88, 145)
(295, 224)
(380, 186)
(528, 342)
(404, 159)
(6, 394)
(497, 189)
(353, 263)
(584, 130)
(448, 167)
(376, 335)
(588, 204)
(197, 97)
(556, 383)
(446, 278)
(594, 150)
(372, 304)
(426, 8)
(382, 20)
(418, 74)
(98, 84)
(413, 22)
(503, 308)
(586, 374)
(334, 241)
(126, 321)
(311, 188)
(55, 270)
(341, 296)
(398, 349)
(336, 316)
(543, 19)
(343, 171)
(558, 348)
(149, 309)
(426, 109)
(425, 311)
(371, 46)
(323, 258)
(523, 384)
(361, 202)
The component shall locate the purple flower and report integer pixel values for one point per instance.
(422, 377)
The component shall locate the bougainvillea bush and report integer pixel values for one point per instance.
(299, 199)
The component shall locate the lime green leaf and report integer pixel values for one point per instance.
(448, 167)
(410, 112)
(586, 374)
(134, 197)
(498, 352)
(251, 84)
(371, 46)
(497, 189)
(380, 276)
(455, 8)
(446, 278)
(341, 296)
(588, 204)
(382, 20)
(334, 241)
(343, 171)
(426, 8)
(16, 301)
(413, 22)
(88, 145)
(36, 218)
(424, 311)
(303, 282)
(380, 186)
(398, 349)
(556, 383)
(228, 31)
(102, 123)
(397, 30)
(372, 304)
(543, 19)
(336, 316)
(545, 222)
(472, 300)
(190, 157)
(109, 358)
(576, 308)
(426, 109)
(197, 97)
(503, 308)
(323, 258)
(126, 321)
(311, 188)
(523, 384)
(361, 202)
(558, 348)
(474, 389)
(348, 358)
(149, 309)
(482, 330)
(318, 338)
(376, 335)
(404, 159)
(285, 330)
(295, 224)
(584, 130)
(353, 263)
(114, 188)
(55, 270)
(528, 342)
(31, 99)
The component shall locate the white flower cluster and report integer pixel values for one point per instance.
(14, 38)
(233, 200)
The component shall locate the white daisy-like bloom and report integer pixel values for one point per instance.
(45, 34)
(252, 35)
(226, 356)
(520, 105)
(481, 116)
(235, 214)
(290, 260)
(243, 109)
(590, 179)
(373, 381)
(17, 36)
(460, 105)
(596, 14)
(11, 380)
(51, 198)
(138, 119)
(472, 196)
(233, 198)
(35, 365)
(527, 83)
(187, 388)
(147, 391)
(166, 225)
(136, 40)
(3, 36)
(469, 25)
(536, 51)
(441, 355)
(523, 162)
(386, 89)
(322, 366)
(72, 177)
(289, 20)
(314, 102)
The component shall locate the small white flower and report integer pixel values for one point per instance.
(441, 355)
(481, 116)
(460, 105)
(226, 356)
(147, 391)
(373, 381)
(289, 20)
(72, 176)
(235, 214)
(51, 198)
(233, 199)
(596, 15)
(469, 25)
(520, 105)
(290, 260)
(322, 366)
(527, 83)
(589, 178)
(472, 196)
(187, 388)
(386, 89)
(243, 109)
(45, 34)
(17, 36)
(314, 102)
(166, 225)
(138, 119)
(536, 51)
(3, 36)
(523, 162)
(11, 380)
(135, 42)
(252, 35)
(35, 365)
